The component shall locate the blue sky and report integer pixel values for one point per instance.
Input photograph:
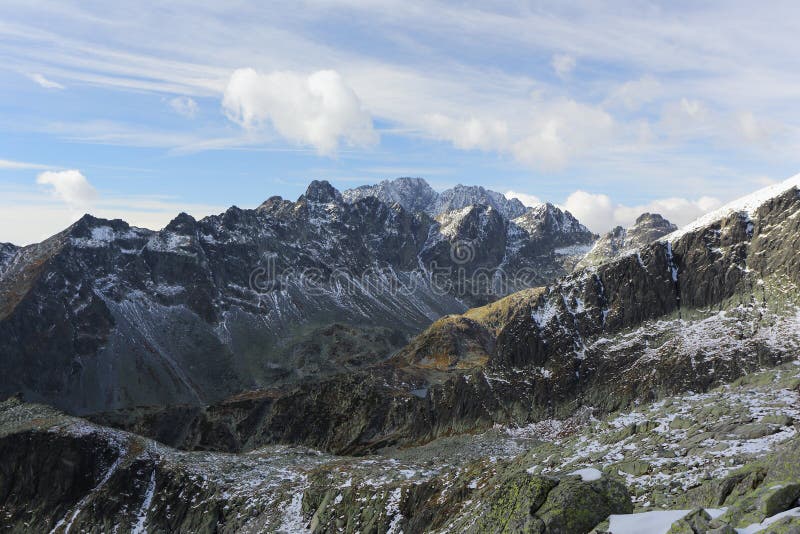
(139, 110)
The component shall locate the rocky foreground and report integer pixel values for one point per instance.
(727, 458)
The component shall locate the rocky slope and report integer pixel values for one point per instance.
(727, 458)
(700, 307)
(415, 194)
(62, 474)
(619, 241)
(105, 315)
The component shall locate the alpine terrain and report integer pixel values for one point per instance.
(396, 359)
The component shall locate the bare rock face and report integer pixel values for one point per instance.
(620, 241)
(105, 315)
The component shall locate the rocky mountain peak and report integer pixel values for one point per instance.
(94, 228)
(619, 241)
(647, 228)
(322, 192)
(549, 221)
(182, 224)
(470, 221)
(415, 194)
(462, 196)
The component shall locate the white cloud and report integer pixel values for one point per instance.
(184, 105)
(686, 118)
(44, 82)
(7, 164)
(563, 64)
(633, 94)
(318, 110)
(755, 130)
(543, 134)
(525, 198)
(71, 187)
(560, 130)
(469, 133)
(599, 213)
(595, 211)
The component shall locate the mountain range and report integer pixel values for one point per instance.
(661, 371)
(265, 297)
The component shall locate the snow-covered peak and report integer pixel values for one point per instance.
(462, 196)
(415, 195)
(622, 241)
(547, 219)
(452, 221)
(746, 205)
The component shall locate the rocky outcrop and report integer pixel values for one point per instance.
(620, 241)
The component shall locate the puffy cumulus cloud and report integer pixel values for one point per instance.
(71, 187)
(599, 213)
(44, 82)
(469, 133)
(595, 211)
(563, 65)
(184, 105)
(525, 198)
(319, 110)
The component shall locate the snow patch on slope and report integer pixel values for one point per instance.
(746, 205)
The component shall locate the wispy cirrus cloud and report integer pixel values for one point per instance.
(7, 164)
(44, 82)
(645, 87)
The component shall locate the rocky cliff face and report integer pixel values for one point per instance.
(415, 194)
(696, 309)
(7, 252)
(105, 315)
(620, 241)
